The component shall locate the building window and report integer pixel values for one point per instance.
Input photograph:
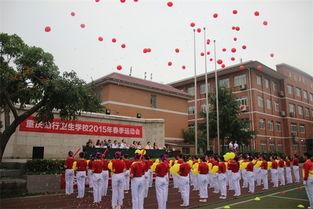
(242, 101)
(277, 126)
(240, 80)
(224, 83)
(311, 97)
(307, 112)
(298, 92)
(305, 95)
(191, 110)
(270, 125)
(202, 88)
(274, 86)
(276, 106)
(292, 108)
(259, 80)
(268, 104)
(262, 124)
(260, 101)
(301, 129)
(191, 91)
(300, 110)
(293, 127)
(153, 101)
(266, 82)
(289, 89)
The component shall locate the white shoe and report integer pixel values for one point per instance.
(222, 197)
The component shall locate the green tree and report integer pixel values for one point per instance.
(29, 76)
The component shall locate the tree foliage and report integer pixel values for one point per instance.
(29, 76)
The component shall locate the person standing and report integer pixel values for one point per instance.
(105, 176)
(97, 178)
(137, 182)
(128, 163)
(288, 171)
(231, 146)
(274, 172)
(295, 168)
(234, 167)
(222, 179)
(161, 183)
(281, 171)
(203, 170)
(264, 173)
(69, 174)
(308, 177)
(118, 169)
(81, 166)
(184, 171)
(250, 176)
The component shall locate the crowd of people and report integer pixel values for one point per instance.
(229, 172)
(121, 144)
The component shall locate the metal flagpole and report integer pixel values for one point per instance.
(195, 83)
(217, 109)
(207, 111)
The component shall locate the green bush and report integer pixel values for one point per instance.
(43, 167)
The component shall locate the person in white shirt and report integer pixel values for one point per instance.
(123, 145)
(236, 146)
(115, 144)
(148, 146)
(231, 145)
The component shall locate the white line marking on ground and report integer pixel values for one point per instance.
(268, 195)
(289, 198)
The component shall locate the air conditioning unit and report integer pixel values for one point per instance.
(292, 114)
(243, 108)
(243, 87)
(281, 94)
(283, 113)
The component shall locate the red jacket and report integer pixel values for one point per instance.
(184, 169)
(295, 162)
(203, 168)
(105, 164)
(97, 166)
(118, 166)
(233, 166)
(274, 164)
(264, 165)
(161, 169)
(69, 162)
(221, 167)
(307, 168)
(81, 165)
(137, 169)
(250, 167)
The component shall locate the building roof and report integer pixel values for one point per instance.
(251, 64)
(289, 67)
(133, 82)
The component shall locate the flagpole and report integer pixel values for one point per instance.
(195, 84)
(217, 109)
(207, 111)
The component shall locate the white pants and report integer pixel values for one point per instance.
(296, 173)
(104, 186)
(96, 185)
(251, 181)
(150, 177)
(127, 179)
(146, 176)
(210, 180)
(161, 188)
(236, 183)
(288, 175)
(222, 184)
(309, 190)
(117, 189)
(194, 181)
(137, 189)
(281, 176)
(215, 183)
(264, 175)
(81, 178)
(89, 178)
(69, 181)
(244, 178)
(203, 185)
(185, 189)
(274, 173)
(258, 176)
(229, 180)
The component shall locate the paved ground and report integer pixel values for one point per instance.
(61, 201)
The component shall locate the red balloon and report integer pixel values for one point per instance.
(72, 14)
(192, 24)
(82, 25)
(211, 59)
(256, 13)
(123, 46)
(177, 50)
(237, 28)
(145, 50)
(242, 67)
(235, 39)
(224, 49)
(97, 1)
(265, 22)
(114, 40)
(244, 46)
(233, 50)
(223, 65)
(259, 67)
(215, 15)
(199, 30)
(169, 63)
(119, 67)
(148, 50)
(219, 61)
(100, 38)
(208, 53)
(235, 11)
(183, 67)
(202, 54)
(123, 1)
(232, 59)
(208, 41)
(169, 4)
(233, 28)
(47, 29)
(272, 55)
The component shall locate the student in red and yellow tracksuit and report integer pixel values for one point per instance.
(308, 177)
(97, 178)
(118, 180)
(69, 173)
(161, 183)
(203, 170)
(137, 172)
(184, 171)
(81, 169)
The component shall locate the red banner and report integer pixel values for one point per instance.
(82, 128)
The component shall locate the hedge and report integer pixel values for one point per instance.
(42, 167)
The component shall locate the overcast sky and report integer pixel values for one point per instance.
(152, 24)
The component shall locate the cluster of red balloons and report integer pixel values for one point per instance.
(146, 50)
